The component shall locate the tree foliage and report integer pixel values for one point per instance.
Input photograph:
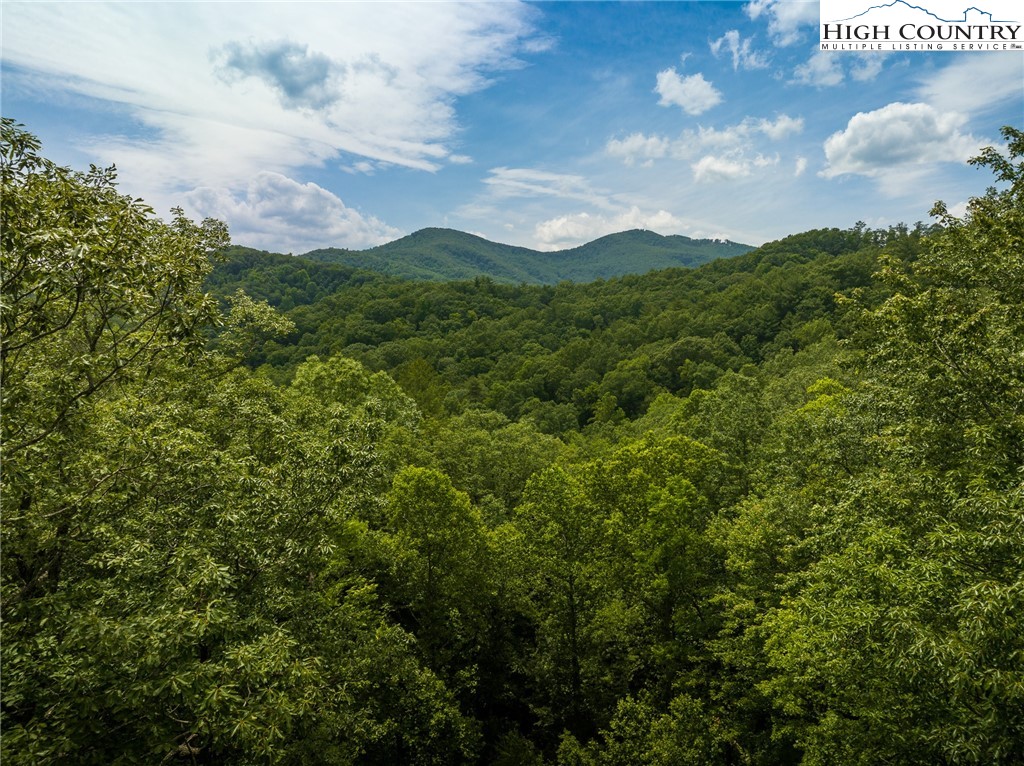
(766, 511)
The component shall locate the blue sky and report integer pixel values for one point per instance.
(542, 124)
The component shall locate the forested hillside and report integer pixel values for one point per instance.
(445, 254)
(259, 509)
(555, 352)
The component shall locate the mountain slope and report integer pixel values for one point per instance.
(637, 252)
(446, 254)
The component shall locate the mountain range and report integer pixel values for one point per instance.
(446, 254)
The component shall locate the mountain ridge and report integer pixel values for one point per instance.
(440, 254)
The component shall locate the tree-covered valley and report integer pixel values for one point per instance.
(267, 509)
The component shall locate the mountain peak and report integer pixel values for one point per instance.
(445, 254)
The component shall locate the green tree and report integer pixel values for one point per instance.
(440, 553)
(902, 642)
(180, 538)
(686, 734)
(95, 291)
(491, 458)
(562, 544)
(419, 379)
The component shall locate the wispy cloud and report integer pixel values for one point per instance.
(826, 70)
(974, 84)
(821, 70)
(743, 54)
(528, 182)
(736, 139)
(222, 95)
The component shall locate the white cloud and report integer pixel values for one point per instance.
(743, 56)
(712, 168)
(825, 70)
(692, 142)
(974, 84)
(801, 166)
(822, 70)
(571, 230)
(897, 137)
(738, 138)
(959, 210)
(638, 146)
(277, 213)
(786, 18)
(783, 126)
(185, 152)
(219, 99)
(867, 66)
(693, 93)
(744, 132)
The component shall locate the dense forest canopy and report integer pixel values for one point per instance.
(556, 351)
(261, 509)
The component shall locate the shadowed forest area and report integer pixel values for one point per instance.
(263, 509)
